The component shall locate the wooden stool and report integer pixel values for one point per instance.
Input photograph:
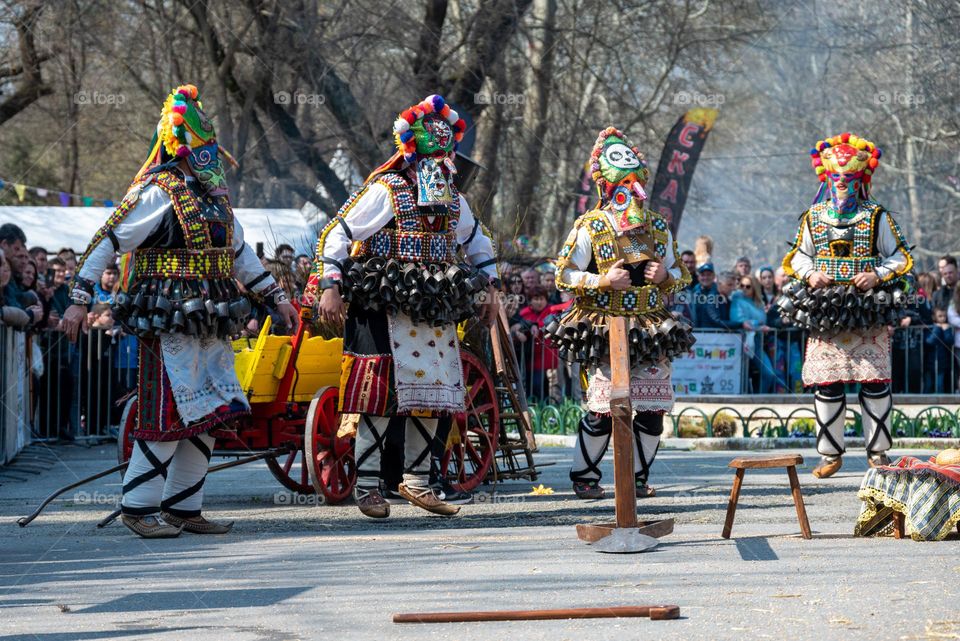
(790, 461)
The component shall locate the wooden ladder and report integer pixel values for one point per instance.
(514, 413)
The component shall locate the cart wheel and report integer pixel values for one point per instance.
(467, 462)
(128, 421)
(291, 468)
(333, 470)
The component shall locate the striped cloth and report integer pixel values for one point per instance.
(927, 494)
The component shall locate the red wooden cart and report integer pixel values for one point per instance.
(291, 383)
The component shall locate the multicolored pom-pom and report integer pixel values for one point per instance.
(852, 153)
(433, 104)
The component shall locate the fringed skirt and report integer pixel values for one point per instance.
(858, 356)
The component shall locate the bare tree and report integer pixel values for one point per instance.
(22, 69)
(293, 85)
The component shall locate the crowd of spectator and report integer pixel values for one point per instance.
(74, 385)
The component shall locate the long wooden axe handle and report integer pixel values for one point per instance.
(654, 612)
(621, 413)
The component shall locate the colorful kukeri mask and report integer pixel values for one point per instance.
(185, 131)
(845, 164)
(620, 171)
(427, 134)
(433, 135)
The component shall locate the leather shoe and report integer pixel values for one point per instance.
(873, 460)
(197, 524)
(588, 490)
(371, 502)
(151, 526)
(426, 498)
(644, 491)
(827, 467)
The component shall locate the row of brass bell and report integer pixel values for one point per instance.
(434, 293)
(840, 308)
(588, 343)
(205, 308)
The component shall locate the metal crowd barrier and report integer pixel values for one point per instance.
(81, 384)
(14, 392)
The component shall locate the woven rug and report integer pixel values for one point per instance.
(927, 494)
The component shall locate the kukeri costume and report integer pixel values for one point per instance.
(620, 228)
(843, 234)
(183, 249)
(392, 250)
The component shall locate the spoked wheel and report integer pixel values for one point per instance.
(291, 469)
(474, 434)
(128, 422)
(333, 470)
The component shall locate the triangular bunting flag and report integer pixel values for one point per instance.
(21, 190)
(64, 199)
(87, 201)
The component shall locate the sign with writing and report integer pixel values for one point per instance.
(677, 162)
(714, 365)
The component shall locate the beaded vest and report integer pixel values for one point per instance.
(844, 249)
(635, 247)
(202, 256)
(412, 236)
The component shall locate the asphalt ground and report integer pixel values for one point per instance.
(292, 569)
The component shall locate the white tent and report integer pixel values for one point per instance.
(56, 227)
